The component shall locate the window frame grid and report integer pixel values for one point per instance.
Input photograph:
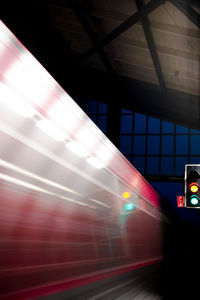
(132, 155)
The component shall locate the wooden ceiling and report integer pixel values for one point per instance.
(163, 48)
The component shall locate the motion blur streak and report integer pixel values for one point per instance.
(63, 219)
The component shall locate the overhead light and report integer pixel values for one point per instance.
(52, 130)
(95, 162)
(15, 102)
(77, 149)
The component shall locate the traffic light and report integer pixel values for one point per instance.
(192, 186)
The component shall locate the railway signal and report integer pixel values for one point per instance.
(192, 186)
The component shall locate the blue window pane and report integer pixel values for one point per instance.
(167, 127)
(195, 145)
(125, 111)
(153, 125)
(93, 118)
(181, 129)
(102, 123)
(195, 159)
(153, 144)
(126, 124)
(139, 163)
(195, 131)
(167, 165)
(139, 144)
(180, 165)
(152, 165)
(140, 123)
(167, 144)
(125, 144)
(181, 144)
(91, 107)
(103, 108)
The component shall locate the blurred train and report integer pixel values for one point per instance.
(73, 210)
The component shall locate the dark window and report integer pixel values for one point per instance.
(102, 123)
(181, 144)
(167, 127)
(152, 165)
(126, 123)
(181, 129)
(140, 123)
(153, 144)
(139, 163)
(195, 131)
(167, 144)
(195, 144)
(139, 144)
(91, 106)
(125, 111)
(154, 125)
(103, 108)
(180, 165)
(125, 144)
(195, 160)
(167, 165)
(93, 118)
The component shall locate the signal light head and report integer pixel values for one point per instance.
(194, 187)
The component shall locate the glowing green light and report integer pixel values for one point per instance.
(194, 200)
(129, 206)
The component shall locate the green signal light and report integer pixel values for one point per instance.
(194, 200)
(129, 206)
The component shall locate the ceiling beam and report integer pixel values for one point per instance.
(145, 10)
(152, 47)
(188, 11)
(91, 35)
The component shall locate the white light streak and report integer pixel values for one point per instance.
(99, 202)
(12, 167)
(77, 149)
(33, 187)
(95, 162)
(30, 79)
(15, 102)
(60, 112)
(52, 130)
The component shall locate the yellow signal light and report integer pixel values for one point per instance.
(126, 195)
(194, 187)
